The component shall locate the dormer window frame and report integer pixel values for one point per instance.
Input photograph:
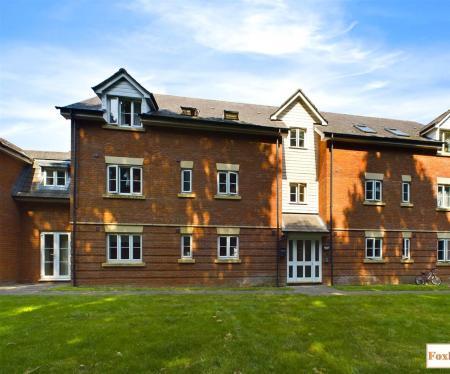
(46, 177)
(189, 111)
(133, 115)
(231, 115)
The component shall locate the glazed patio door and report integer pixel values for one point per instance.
(304, 261)
(55, 256)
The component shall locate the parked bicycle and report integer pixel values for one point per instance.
(428, 277)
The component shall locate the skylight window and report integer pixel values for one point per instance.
(189, 111)
(231, 115)
(366, 129)
(396, 131)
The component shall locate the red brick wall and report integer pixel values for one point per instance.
(10, 169)
(36, 218)
(162, 149)
(349, 213)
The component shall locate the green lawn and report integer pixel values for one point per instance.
(220, 333)
(395, 287)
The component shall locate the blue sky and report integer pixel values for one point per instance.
(383, 58)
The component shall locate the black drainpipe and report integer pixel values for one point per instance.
(74, 195)
(277, 207)
(331, 210)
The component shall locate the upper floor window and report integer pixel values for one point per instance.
(227, 183)
(443, 253)
(443, 198)
(186, 246)
(297, 193)
(124, 248)
(445, 137)
(126, 180)
(373, 190)
(406, 192)
(297, 138)
(55, 177)
(186, 180)
(124, 111)
(374, 249)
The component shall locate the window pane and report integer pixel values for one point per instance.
(233, 246)
(137, 111)
(112, 176)
(137, 179)
(186, 240)
(112, 239)
(308, 250)
(223, 246)
(113, 110)
(299, 271)
(293, 193)
(125, 112)
(301, 138)
(378, 190)
(61, 177)
(317, 271)
(125, 180)
(124, 247)
(369, 248)
(49, 181)
(291, 250)
(186, 180)
(301, 193)
(136, 247)
(48, 254)
(233, 183)
(369, 190)
(290, 271)
(299, 250)
(441, 250)
(222, 183)
(317, 258)
(308, 271)
(293, 137)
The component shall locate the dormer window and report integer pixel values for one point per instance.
(54, 177)
(189, 111)
(445, 138)
(231, 115)
(124, 112)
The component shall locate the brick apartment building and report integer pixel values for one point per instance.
(167, 190)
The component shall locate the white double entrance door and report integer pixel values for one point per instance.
(304, 259)
(55, 256)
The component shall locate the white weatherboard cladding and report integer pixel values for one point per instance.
(124, 88)
(446, 125)
(299, 165)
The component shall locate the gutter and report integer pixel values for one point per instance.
(331, 211)
(74, 163)
(278, 209)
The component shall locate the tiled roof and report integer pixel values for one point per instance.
(435, 121)
(338, 123)
(303, 223)
(48, 155)
(14, 150)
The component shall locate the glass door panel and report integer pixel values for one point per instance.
(55, 256)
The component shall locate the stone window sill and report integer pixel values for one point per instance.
(227, 197)
(407, 205)
(443, 153)
(227, 261)
(292, 147)
(117, 196)
(186, 261)
(123, 264)
(370, 261)
(374, 203)
(443, 264)
(187, 195)
(116, 127)
(442, 209)
(407, 261)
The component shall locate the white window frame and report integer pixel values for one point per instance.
(183, 246)
(297, 138)
(443, 197)
(117, 168)
(183, 171)
(406, 249)
(119, 259)
(446, 249)
(56, 255)
(228, 238)
(54, 171)
(119, 114)
(407, 192)
(374, 241)
(297, 193)
(374, 183)
(228, 173)
(443, 135)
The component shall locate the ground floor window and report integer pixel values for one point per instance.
(406, 249)
(186, 246)
(374, 249)
(443, 254)
(228, 247)
(124, 248)
(55, 255)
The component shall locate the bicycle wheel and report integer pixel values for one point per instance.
(419, 281)
(436, 280)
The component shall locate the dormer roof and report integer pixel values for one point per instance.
(122, 75)
(436, 122)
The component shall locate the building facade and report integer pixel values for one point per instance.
(165, 190)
